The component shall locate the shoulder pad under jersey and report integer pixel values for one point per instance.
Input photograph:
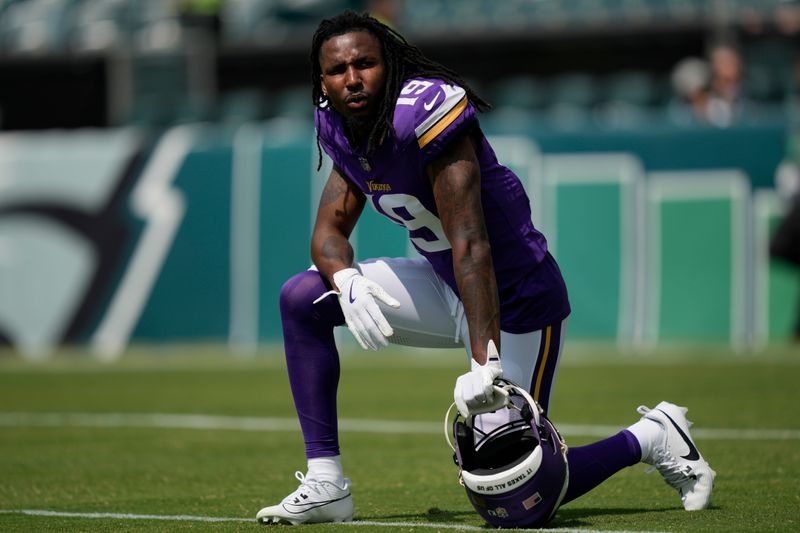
(430, 112)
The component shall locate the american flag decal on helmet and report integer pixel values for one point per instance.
(531, 502)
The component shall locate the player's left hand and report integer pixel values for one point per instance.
(474, 392)
(357, 297)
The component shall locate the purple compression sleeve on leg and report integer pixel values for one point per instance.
(312, 359)
(592, 464)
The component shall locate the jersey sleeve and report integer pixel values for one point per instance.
(326, 133)
(433, 112)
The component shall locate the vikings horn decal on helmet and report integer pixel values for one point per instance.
(516, 475)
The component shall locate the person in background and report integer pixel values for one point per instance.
(709, 92)
(690, 79)
(726, 103)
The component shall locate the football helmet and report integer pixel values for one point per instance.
(517, 474)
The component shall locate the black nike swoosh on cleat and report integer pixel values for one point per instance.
(693, 454)
(313, 505)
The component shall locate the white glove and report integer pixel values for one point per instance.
(364, 318)
(474, 392)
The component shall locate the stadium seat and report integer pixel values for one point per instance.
(35, 26)
(423, 15)
(237, 20)
(625, 99)
(571, 98)
(632, 86)
(99, 25)
(294, 102)
(573, 88)
(518, 92)
(156, 27)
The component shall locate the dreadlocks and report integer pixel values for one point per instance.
(403, 61)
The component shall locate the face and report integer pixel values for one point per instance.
(353, 73)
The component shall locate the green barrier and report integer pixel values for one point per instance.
(591, 204)
(697, 248)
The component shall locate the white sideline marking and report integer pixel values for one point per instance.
(123, 516)
(246, 423)
(373, 523)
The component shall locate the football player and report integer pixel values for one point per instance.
(404, 137)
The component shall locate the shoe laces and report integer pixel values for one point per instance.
(675, 474)
(643, 410)
(306, 485)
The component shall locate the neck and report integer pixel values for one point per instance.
(358, 129)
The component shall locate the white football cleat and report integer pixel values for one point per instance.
(677, 458)
(313, 502)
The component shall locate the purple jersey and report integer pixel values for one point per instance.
(429, 114)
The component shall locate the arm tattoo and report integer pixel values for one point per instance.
(456, 182)
(337, 248)
(339, 208)
(333, 191)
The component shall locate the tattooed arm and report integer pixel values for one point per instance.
(339, 208)
(456, 180)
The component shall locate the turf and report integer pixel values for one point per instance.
(399, 478)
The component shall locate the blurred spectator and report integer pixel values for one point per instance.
(386, 11)
(726, 101)
(690, 81)
(710, 91)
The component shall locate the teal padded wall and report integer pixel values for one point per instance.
(190, 297)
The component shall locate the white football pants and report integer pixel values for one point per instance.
(432, 316)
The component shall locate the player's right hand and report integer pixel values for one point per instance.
(474, 392)
(364, 318)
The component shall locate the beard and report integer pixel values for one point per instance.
(358, 129)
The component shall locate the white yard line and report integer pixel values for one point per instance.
(123, 516)
(191, 518)
(245, 423)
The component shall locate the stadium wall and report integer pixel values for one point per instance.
(115, 236)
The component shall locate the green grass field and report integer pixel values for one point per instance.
(80, 445)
